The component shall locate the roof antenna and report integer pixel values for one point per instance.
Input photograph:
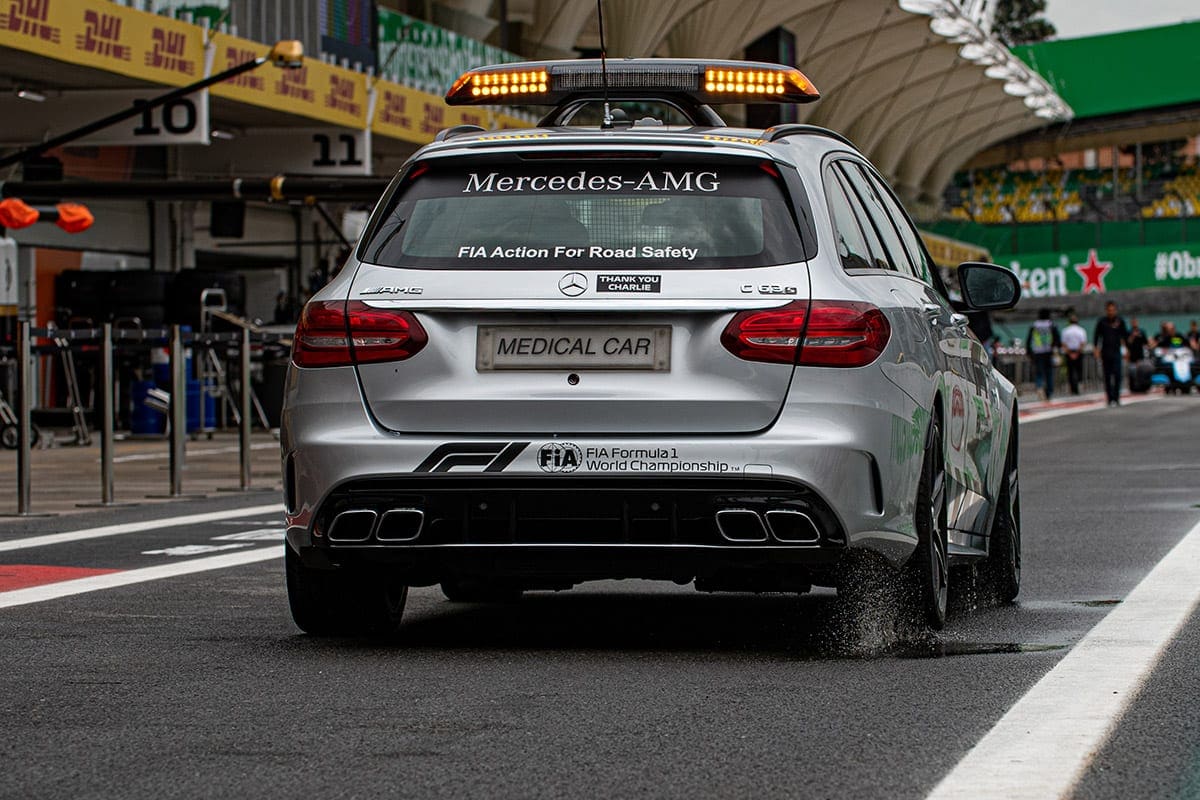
(607, 123)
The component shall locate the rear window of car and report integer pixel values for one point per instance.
(591, 214)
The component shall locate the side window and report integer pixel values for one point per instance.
(851, 245)
(912, 240)
(869, 195)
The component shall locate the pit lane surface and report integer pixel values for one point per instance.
(199, 685)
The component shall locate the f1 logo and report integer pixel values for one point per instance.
(478, 456)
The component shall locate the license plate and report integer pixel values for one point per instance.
(574, 347)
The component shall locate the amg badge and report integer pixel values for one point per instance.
(392, 290)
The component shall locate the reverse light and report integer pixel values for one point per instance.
(338, 333)
(823, 333)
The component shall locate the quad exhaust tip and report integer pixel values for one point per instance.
(395, 525)
(793, 527)
(786, 526)
(741, 525)
(352, 526)
(400, 525)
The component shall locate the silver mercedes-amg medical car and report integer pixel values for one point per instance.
(657, 348)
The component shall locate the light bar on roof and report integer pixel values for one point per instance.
(552, 82)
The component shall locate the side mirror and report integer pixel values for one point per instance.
(988, 287)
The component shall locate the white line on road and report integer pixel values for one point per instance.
(53, 591)
(1050, 412)
(136, 527)
(1043, 745)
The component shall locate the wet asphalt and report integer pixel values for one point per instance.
(200, 685)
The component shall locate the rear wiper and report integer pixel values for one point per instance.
(388, 240)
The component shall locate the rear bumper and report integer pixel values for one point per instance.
(850, 467)
(572, 529)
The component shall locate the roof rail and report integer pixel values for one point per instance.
(777, 132)
(457, 130)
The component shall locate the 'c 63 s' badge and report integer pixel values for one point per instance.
(472, 456)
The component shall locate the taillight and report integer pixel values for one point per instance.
(336, 333)
(835, 333)
(771, 336)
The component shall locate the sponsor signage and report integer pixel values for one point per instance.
(428, 57)
(316, 90)
(166, 51)
(414, 116)
(101, 34)
(1104, 270)
(182, 121)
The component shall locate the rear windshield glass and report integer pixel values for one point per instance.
(645, 214)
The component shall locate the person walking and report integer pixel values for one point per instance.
(1074, 340)
(1137, 346)
(1042, 341)
(1111, 333)
(1138, 341)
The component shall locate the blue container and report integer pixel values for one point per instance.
(210, 404)
(144, 420)
(194, 406)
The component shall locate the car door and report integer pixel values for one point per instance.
(975, 411)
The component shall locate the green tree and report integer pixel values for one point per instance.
(1019, 22)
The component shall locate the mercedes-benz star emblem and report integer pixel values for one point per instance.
(572, 284)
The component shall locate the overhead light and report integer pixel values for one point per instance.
(950, 27)
(223, 135)
(1004, 70)
(984, 52)
(1018, 89)
(31, 96)
(927, 7)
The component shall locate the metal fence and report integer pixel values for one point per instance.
(234, 347)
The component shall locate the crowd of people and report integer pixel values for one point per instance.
(1110, 343)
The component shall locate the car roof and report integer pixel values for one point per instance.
(782, 143)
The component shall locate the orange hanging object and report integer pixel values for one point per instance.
(73, 217)
(16, 213)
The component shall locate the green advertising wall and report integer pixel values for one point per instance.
(1005, 241)
(1106, 269)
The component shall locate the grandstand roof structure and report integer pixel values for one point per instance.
(920, 85)
(1133, 86)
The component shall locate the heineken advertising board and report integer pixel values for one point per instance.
(1108, 269)
(426, 57)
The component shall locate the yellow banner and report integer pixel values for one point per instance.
(100, 34)
(317, 90)
(951, 252)
(414, 116)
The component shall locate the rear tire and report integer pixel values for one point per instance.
(341, 601)
(927, 572)
(1001, 572)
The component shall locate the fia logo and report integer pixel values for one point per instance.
(559, 457)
